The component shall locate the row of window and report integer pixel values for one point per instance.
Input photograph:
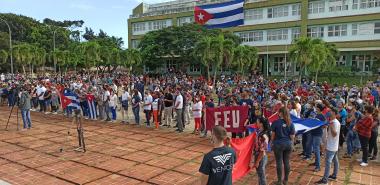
(272, 35)
(316, 7)
(149, 26)
(273, 12)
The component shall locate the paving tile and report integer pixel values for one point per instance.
(39, 160)
(162, 150)
(116, 164)
(185, 154)
(140, 156)
(190, 168)
(139, 145)
(170, 177)
(115, 179)
(34, 177)
(9, 148)
(199, 148)
(20, 155)
(165, 162)
(142, 172)
(178, 144)
(74, 172)
(157, 140)
(117, 151)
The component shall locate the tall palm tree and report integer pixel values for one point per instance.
(301, 52)
(91, 54)
(324, 56)
(221, 52)
(244, 57)
(115, 58)
(203, 50)
(3, 57)
(131, 57)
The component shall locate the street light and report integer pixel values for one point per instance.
(10, 43)
(54, 32)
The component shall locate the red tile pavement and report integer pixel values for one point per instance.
(126, 154)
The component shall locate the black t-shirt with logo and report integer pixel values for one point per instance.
(218, 165)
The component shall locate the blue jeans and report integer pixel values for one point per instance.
(136, 113)
(308, 144)
(147, 117)
(316, 147)
(113, 112)
(331, 157)
(261, 170)
(352, 141)
(26, 118)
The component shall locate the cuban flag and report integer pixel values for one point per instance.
(91, 106)
(220, 15)
(70, 99)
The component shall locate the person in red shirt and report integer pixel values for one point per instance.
(364, 127)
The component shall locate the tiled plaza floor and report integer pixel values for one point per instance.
(119, 154)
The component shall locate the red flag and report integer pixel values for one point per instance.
(65, 101)
(243, 148)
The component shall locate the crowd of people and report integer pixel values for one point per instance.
(176, 100)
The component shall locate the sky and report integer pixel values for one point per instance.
(109, 15)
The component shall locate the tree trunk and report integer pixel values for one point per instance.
(23, 68)
(300, 76)
(316, 76)
(215, 71)
(208, 72)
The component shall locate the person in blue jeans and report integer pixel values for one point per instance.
(260, 147)
(316, 135)
(283, 132)
(25, 106)
(136, 106)
(352, 139)
(331, 147)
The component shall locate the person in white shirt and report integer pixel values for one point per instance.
(178, 106)
(148, 99)
(125, 97)
(112, 105)
(156, 108)
(197, 114)
(40, 94)
(331, 147)
(106, 101)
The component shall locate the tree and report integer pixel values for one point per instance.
(221, 52)
(244, 57)
(131, 57)
(203, 51)
(301, 52)
(3, 57)
(324, 57)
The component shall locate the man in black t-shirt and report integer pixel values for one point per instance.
(217, 165)
(168, 107)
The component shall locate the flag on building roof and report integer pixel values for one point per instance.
(69, 99)
(220, 15)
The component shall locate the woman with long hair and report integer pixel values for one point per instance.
(260, 147)
(283, 132)
(197, 114)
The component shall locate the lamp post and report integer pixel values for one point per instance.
(10, 43)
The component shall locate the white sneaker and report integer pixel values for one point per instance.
(363, 164)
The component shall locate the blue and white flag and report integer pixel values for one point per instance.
(307, 124)
(70, 99)
(220, 15)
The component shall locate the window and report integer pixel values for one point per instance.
(377, 28)
(369, 4)
(253, 36)
(315, 32)
(296, 32)
(278, 64)
(157, 25)
(296, 9)
(279, 11)
(254, 14)
(338, 5)
(273, 35)
(341, 61)
(355, 4)
(354, 29)
(184, 20)
(337, 30)
(362, 63)
(138, 27)
(135, 43)
(316, 7)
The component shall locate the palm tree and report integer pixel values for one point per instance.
(131, 57)
(221, 52)
(324, 56)
(203, 50)
(3, 57)
(91, 54)
(301, 52)
(115, 58)
(22, 55)
(244, 57)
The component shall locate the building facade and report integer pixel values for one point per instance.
(272, 25)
